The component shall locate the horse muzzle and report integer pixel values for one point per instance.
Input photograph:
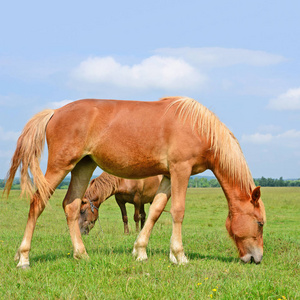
(86, 227)
(254, 256)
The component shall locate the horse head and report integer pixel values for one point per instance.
(88, 215)
(245, 226)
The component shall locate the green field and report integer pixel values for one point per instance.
(214, 270)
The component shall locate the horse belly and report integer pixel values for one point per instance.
(129, 160)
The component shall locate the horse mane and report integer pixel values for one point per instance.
(104, 185)
(224, 145)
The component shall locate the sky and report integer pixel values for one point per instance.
(241, 59)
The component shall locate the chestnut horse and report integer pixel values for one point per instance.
(137, 192)
(176, 137)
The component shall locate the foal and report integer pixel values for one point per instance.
(136, 192)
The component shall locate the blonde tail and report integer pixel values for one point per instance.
(27, 156)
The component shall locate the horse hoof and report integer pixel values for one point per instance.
(141, 258)
(140, 255)
(81, 256)
(183, 261)
(180, 260)
(23, 267)
(17, 256)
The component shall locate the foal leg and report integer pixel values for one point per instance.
(158, 205)
(80, 177)
(54, 177)
(136, 217)
(180, 180)
(122, 206)
(142, 215)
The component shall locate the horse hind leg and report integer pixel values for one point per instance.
(80, 177)
(122, 206)
(54, 177)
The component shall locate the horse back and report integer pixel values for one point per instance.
(131, 139)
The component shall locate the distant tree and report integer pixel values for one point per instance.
(214, 183)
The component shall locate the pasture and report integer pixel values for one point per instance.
(214, 270)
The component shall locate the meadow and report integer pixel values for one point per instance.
(214, 270)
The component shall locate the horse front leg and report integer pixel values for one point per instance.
(179, 188)
(80, 177)
(157, 207)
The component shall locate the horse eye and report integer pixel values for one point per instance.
(260, 224)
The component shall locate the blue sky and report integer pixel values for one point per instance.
(239, 58)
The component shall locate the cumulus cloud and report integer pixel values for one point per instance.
(223, 57)
(290, 138)
(58, 104)
(8, 135)
(153, 72)
(289, 100)
(257, 138)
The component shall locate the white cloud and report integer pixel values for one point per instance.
(289, 100)
(58, 104)
(8, 135)
(153, 72)
(290, 138)
(223, 57)
(269, 128)
(290, 134)
(257, 138)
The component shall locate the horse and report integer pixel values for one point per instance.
(137, 192)
(176, 137)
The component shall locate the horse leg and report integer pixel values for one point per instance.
(142, 215)
(54, 177)
(157, 207)
(124, 213)
(136, 217)
(80, 177)
(180, 180)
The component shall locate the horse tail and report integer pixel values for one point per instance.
(27, 156)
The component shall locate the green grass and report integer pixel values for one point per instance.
(214, 270)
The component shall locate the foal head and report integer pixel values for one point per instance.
(244, 224)
(88, 215)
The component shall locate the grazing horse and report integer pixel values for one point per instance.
(137, 192)
(176, 137)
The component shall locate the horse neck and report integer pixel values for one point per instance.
(234, 191)
(102, 189)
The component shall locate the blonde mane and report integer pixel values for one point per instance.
(223, 143)
(102, 187)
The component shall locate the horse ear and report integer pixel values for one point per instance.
(255, 195)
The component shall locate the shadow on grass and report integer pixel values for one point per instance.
(152, 252)
(192, 256)
(197, 256)
(50, 256)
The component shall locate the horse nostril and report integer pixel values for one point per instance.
(254, 261)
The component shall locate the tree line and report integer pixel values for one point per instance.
(17, 184)
(194, 182)
(202, 182)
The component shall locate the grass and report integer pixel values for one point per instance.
(214, 270)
